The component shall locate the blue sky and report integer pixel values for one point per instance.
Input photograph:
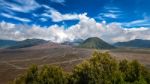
(64, 18)
(131, 13)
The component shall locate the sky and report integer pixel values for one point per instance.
(67, 20)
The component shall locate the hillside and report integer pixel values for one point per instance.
(27, 43)
(6, 43)
(76, 42)
(95, 43)
(137, 43)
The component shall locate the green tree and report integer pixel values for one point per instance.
(134, 71)
(52, 75)
(30, 77)
(100, 69)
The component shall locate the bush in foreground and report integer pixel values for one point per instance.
(101, 68)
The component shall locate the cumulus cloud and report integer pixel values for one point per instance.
(87, 27)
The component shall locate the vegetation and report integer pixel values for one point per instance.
(96, 43)
(101, 68)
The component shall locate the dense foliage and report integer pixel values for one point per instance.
(96, 43)
(101, 68)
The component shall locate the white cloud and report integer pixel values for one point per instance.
(43, 19)
(110, 12)
(110, 7)
(114, 11)
(16, 18)
(140, 22)
(58, 1)
(22, 6)
(57, 16)
(46, 15)
(87, 27)
(45, 6)
(35, 15)
(110, 15)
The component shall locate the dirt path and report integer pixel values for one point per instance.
(14, 66)
(31, 59)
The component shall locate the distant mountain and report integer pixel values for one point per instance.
(137, 43)
(76, 42)
(28, 43)
(96, 43)
(7, 43)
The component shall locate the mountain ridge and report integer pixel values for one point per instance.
(136, 43)
(6, 43)
(96, 43)
(27, 43)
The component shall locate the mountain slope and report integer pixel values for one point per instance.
(76, 42)
(7, 43)
(137, 43)
(28, 43)
(96, 43)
